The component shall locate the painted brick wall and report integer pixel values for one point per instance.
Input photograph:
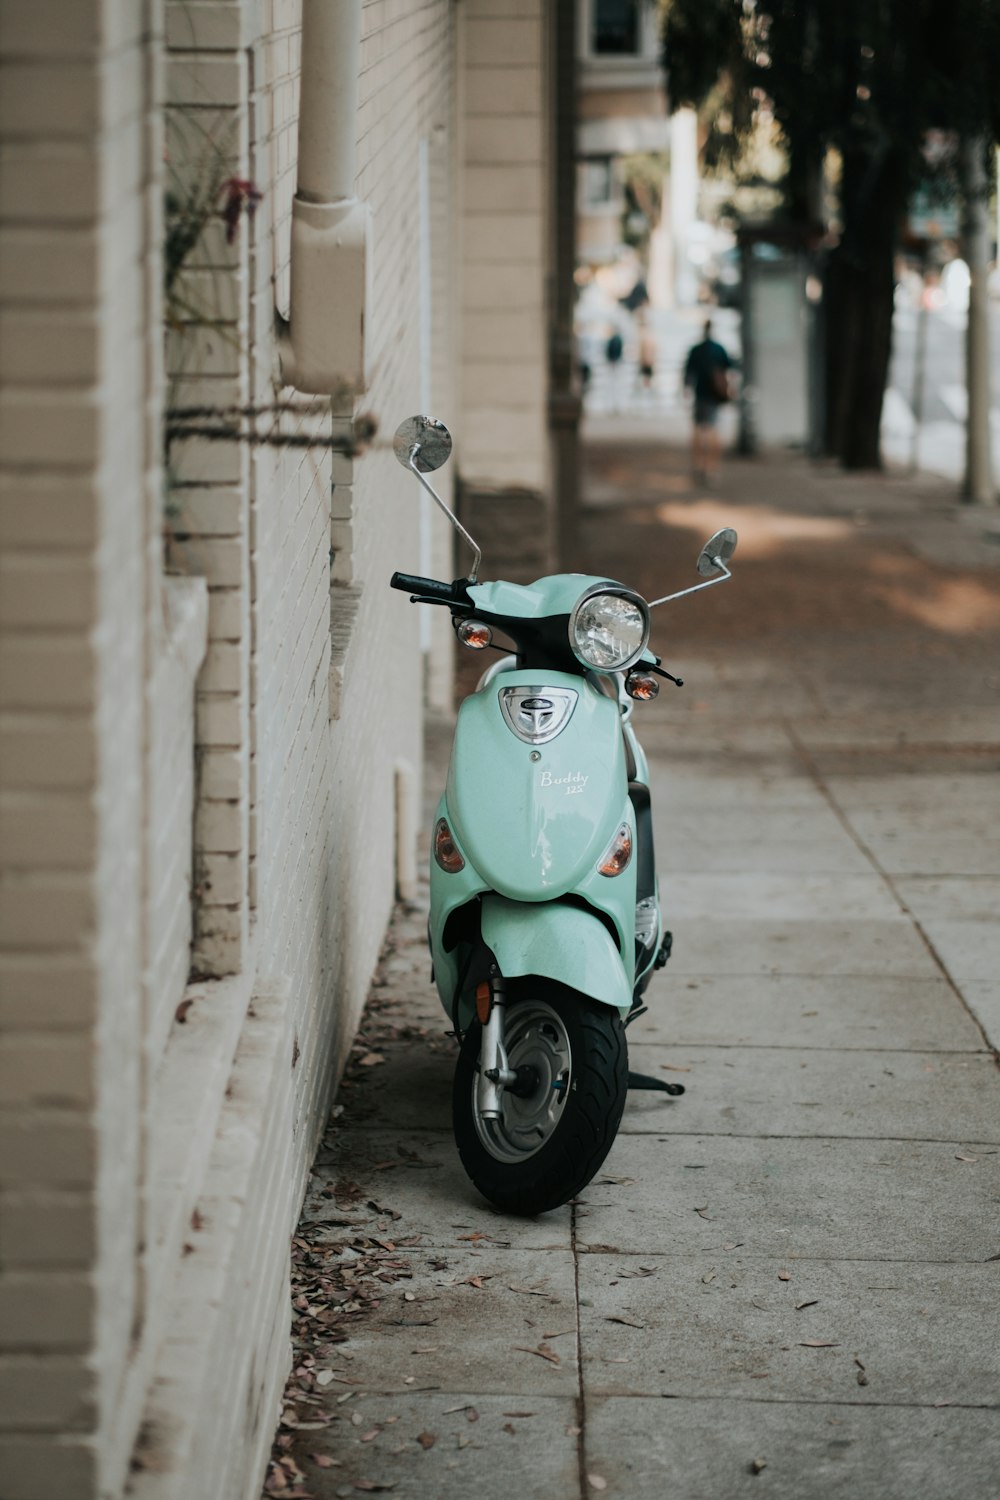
(202, 736)
(84, 634)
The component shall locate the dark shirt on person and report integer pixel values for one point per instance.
(702, 362)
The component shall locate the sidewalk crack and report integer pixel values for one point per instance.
(581, 1397)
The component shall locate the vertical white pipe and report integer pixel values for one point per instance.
(328, 102)
(322, 346)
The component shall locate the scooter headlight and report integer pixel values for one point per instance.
(609, 631)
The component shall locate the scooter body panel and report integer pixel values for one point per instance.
(532, 833)
(555, 595)
(535, 820)
(612, 898)
(556, 941)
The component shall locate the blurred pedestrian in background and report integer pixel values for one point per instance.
(647, 353)
(613, 351)
(706, 375)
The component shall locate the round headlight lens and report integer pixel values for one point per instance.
(608, 631)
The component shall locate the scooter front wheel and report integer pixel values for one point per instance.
(559, 1123)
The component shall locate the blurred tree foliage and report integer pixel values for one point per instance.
(643, 174)
(868, 79)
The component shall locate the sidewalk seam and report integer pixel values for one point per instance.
(581, 1398)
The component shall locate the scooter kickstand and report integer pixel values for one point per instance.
(657, 1085)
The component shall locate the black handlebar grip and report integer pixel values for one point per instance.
(427, 588)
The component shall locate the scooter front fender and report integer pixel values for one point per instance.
(556, 941)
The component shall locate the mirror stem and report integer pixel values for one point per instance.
(477, 551)
(697, 587)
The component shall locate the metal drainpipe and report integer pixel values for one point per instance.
(322, 345)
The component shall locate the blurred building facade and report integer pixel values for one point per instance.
(210, 737)
(622, 112)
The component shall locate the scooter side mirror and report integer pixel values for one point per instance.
(717, 550)
(712, 560)
(423, 442)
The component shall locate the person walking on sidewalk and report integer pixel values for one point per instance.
(706, 375)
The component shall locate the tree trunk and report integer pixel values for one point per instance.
(859, 302)
(978, 487)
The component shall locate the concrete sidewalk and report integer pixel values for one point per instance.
(784, 1283)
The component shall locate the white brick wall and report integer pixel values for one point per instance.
(156, 1125)
(76, 453)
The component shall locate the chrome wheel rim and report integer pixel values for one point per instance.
(535, 1038)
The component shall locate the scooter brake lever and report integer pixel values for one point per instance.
(662, 672)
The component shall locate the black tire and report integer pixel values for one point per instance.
(542, 1154)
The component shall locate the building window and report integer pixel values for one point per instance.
(597, 182)
(615, 28)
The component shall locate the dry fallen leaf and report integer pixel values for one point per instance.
(596, 1482)
(324, 1461)
(509, 1427)
(426, 1439)
(674, 1068)
(370, 1485)
(629, 1322)
(708, 1277)
(784, 1275)
(965, 1158)
(758, 1465)
(543, 1351)
(324, 1377)
(370, 1060)
(817, 1344)
(812, 1303)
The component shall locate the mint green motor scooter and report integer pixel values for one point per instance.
(545, 924)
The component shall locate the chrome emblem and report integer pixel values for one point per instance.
(537, 714)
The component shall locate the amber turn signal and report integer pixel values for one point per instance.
(474, 633)
(618, 852)
(445, 851)
(641, 685)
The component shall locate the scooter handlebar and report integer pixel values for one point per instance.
(430, 588)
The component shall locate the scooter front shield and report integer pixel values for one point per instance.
(535, 815)
(556, 942)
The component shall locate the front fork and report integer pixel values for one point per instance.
(494, 1073)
